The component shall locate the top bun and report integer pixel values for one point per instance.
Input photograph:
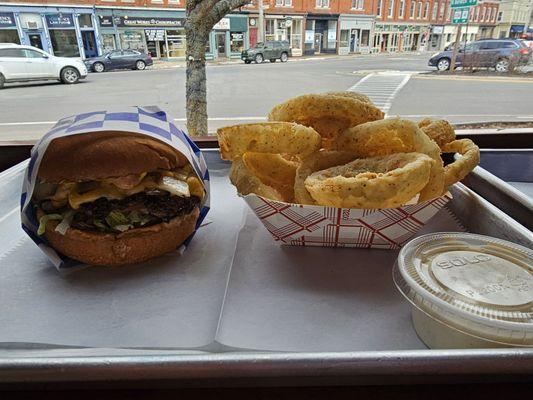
(100, 155)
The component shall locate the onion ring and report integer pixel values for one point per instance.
(352, 95)
(391, 136)
(316, 162)
(457, 170)
(267, 137)
(377, 182)
(247, 183)
(327, 114)
(440, 130)
(273, 170)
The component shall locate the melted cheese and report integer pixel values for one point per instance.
(177, 183)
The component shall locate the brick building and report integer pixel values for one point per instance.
(86, 28)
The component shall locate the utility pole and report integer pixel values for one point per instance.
(261, 27)
(455, 47)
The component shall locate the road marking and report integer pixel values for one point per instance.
(477, 79)
(381, 88)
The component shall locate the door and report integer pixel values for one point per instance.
(318, 43)
(354, 39)
(40, 65)
(489, 53)
(89, 44)
(35, 40)
(221, 44)
(115, 60)
(13, 63)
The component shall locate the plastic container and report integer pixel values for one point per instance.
(468, 291)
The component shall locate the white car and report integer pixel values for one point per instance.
(25, 63)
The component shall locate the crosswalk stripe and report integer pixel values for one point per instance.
(381, 88)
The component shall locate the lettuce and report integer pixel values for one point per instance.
(116, 218)
(44, 220)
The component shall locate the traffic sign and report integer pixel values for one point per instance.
(463, 3)
(460, 15)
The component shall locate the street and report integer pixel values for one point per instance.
(239, 93)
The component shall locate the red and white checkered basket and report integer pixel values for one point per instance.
(305, 225)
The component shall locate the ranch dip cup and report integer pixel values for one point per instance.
(468, 291)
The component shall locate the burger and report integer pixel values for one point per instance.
(114, 198)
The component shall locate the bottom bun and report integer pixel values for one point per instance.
(129, 247)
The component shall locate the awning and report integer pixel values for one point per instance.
(520, 29)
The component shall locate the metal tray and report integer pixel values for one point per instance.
(55, 366)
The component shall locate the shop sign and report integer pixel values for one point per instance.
(7, 19)
(106, 20)
(155, 34)
(59, 20)
(147, 21)
(438, 30)
(309, 36)
(463, 3)
(223, 24)
(460, 15)
(237, 36)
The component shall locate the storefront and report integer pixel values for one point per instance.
(8, 28)
(62, 31)
(321, 33)
(398, 38)
(436, 38)
(288, 28)
(160, 33)
(355, 32)
(228, 38)
(517, 31)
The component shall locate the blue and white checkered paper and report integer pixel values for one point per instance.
(149, 121)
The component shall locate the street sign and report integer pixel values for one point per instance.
(463, 3)
(460, 15)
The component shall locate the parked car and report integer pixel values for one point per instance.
(269, 50)
(500, 54)
(25, 63)
(119, 59)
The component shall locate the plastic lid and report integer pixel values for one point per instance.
(478, 284)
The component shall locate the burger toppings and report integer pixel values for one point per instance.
(116, 205)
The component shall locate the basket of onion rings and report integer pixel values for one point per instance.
(329, 170)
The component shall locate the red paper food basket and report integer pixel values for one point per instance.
(306, 225)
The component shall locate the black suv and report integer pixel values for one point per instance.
(269, 50)
(500, 54)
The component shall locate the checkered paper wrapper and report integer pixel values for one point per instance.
(306, 225)
(149, 121)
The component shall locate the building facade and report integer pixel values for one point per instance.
(78, 28)
(512, 17)
(85, 28)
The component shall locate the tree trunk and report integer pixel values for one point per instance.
(195, 87)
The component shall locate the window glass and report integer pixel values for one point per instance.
(9, 36)
(85, 21)
(33, 54)
(236, 42)
(64, 42)
(15, 53)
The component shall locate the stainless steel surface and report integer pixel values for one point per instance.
(220, 365)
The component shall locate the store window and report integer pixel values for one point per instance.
(270, 29)
(236, 42)
(9, 36)
(64, 42)
(85, 21)
(108, 42)
(365, 37)
(133, 40)
(344, 38)
(176, 43)
(296, 35)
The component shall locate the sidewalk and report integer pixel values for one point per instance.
(167, 64)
